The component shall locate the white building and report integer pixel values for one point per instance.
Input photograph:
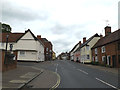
(28, 47)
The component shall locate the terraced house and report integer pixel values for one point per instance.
(107, 50)
(85, 49)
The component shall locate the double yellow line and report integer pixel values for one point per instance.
(57, 83)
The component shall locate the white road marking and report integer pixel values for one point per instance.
(82, 71)
(106, 83)
(56, 68)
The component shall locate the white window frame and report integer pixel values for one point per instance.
(103, 49)
(22, 53)
(46, 49)
(108, 63)
(95, 50)
(2, 44)
(87, 47)
(103, 58)
(96, 58)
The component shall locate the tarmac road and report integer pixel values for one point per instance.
(76, 75)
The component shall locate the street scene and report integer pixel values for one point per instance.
(60, 44)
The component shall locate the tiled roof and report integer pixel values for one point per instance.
(13, 37)
(96, 35)
(108, 39)
(82, 45)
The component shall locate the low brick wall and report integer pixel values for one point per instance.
(8, 66)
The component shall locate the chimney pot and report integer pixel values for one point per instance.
(39, 36)
(84, 39)
(107, 30)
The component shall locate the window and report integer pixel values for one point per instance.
(87, 47)
(2, 44)
(22, 53)
(103, 58)
(108, 60)
(46, 49)
(96, 59)
(93, 58)
(103, 49)
(88, 57)
(95, 50)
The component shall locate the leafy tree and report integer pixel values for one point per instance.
(5, 28)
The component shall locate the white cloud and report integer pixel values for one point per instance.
(64, 22)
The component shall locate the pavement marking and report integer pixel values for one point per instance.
(56, 68)
(58, 81)
(106, 83)
(82, 71)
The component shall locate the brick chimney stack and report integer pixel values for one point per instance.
(79, 43)
(101, 36)
(107, 30)
(84, 39)
(39, 36)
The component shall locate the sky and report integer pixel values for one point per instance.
(63, 22)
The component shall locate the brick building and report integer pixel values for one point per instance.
(47, 48)
(107, 50)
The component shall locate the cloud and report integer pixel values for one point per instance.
(17, 12)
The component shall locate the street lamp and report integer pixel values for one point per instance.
(6, 42)
(5, 61)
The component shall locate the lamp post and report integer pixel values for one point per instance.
(6, 48)
(6, 42)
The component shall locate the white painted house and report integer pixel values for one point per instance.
(28, 46)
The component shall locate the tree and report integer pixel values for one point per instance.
(6, 28)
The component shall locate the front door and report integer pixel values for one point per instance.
(114, 61)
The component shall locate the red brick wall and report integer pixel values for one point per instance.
(110, 49)
(8, 66)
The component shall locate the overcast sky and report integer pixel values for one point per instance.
(63, 22)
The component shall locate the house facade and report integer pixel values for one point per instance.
(47, 48)
(28, 47)
(107, 50)
(77, 54)
(72, 58)
(85, 49)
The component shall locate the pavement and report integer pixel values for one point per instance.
(103, 68)
(21, 76)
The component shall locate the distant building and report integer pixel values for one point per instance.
(53, 55)
(107, 50)
(47, 48)
(73, 51)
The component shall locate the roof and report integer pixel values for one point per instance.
(84, 44)
(112, 37)
(74, 47)
(13, 37)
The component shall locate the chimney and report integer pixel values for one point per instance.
(84, 39)
(79, 43)
(107, 30)
(101, 36)
(39, 36)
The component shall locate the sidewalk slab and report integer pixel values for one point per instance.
(18, 77)
(106, 69)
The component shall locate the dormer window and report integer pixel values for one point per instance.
(103, 49)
